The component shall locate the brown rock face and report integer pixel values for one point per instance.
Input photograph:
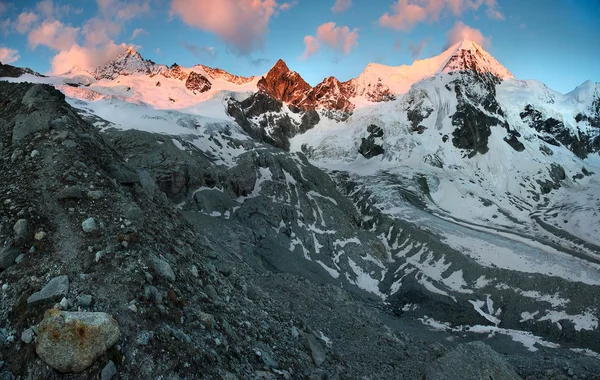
(73, 341)
(286, 86)
(197, 83)
(332, 95)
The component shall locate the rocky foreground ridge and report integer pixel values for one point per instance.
(101, 276)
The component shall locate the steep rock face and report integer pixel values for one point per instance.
(128, 63)
(266, 119)
(215, 73)
(473, 125)
(285, 85)
(332, 95)
(197, 83)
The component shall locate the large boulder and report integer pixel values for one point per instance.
(73, 341)
(471, 361)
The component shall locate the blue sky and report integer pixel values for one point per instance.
(554, 41)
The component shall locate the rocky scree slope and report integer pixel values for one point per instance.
(77, 214)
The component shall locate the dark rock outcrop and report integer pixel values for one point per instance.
(371, 145)
(554, 132)
(8, 71)
(197, 83)
(473, 126)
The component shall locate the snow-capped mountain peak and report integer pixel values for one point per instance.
(378, 79)
(128, 63)
(468, 55)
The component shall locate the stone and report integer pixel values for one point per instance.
(123, 175)
(471, 361)
(8, 255)
(16, 154)
(316, 350)
(73, 192)
(211, 292)
(70, 342)
(19, 258)
(34, 153)
(20, 228)
(89, 225)
(134, 213)
(207, 320)
(109, 371)
(54, 291)
(144, 337)
(40, 235)
(162, 268)
(95, 194)
(84, 300)
(27, 336)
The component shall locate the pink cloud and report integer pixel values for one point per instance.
(87, 58)
(123, 10)
(341, 6)
(405, 14)
(8, 56)
(49, 10)
(289, 5)
(25, 21)
(98, 31)
(397, 43)
(54, 35)
(312, 46)
(137, 32)
(461, 32)
(242, 24)
(339, 39)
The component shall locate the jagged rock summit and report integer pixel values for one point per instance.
(128, 63)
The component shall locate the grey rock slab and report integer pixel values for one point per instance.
(73, 192)
(317, 351)
(21, 227)
(162, 268)
(84, 300)
(73, 341)
(109, 371)
(8, 255)
(123, 174)
(471, 361)
(89, 225)
(55, 290)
